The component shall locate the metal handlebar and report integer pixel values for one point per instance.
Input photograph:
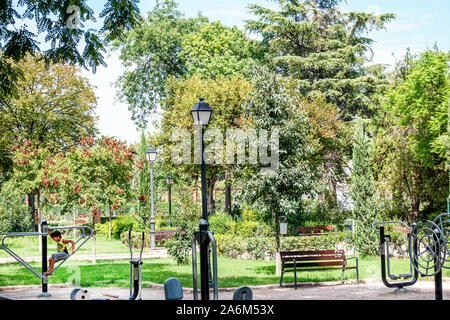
(194, 266)
(214, 247)
(389, 222)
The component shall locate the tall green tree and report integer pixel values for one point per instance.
(270, 107)
(411, 130)
(167, 45)
(324, 49)
(54, 108)
(326, 52)
(226, 96)
(363, 192)
(144, 187)
(151, 54)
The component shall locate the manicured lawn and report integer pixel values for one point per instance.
(232, 273)
(29, 246)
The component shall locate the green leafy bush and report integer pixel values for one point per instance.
(186, 218)
(118, 226)
(14, 214)
(221, 223)
(247, 229)
(136, 239)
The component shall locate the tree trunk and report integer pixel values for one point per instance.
(109, 231)
(30, 199)
(277, 244)
(415, 210)
(38, 218)
(333, 184)
(94, 260)
(228, 198)
(210, 195)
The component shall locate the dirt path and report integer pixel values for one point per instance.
(371, 290)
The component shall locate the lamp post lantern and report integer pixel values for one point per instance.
(152, 154)
(283, 226)
(169, 181)
(201, 114)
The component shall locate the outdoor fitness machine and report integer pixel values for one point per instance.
(428, 249)
(385, 260)
(208, 237)
(135, 276)
(136, 271)
(44, 236)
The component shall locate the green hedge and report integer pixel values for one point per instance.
(257, 248)
(136, 239)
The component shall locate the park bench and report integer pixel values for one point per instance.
(163, 235)
(320, 260)
(315, 231)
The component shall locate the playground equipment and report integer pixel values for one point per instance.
(428, 249)
(44, 235)
(135, 276)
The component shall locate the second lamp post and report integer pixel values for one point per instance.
(201, 114)
(169, 181)
(151, 157)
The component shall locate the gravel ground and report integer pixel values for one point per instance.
(371, 290)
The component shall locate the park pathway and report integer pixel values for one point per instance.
(158, 253)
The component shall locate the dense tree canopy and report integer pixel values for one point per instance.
(54, 108)
(410, 156)
(169, 45)
(324, 49)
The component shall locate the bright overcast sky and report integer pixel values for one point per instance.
(419, 25)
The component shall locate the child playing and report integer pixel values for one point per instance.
(62, 253)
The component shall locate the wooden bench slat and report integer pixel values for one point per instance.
(313, 258)
(324, 228)
(315, 264)
(311, 253)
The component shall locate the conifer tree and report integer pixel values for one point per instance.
(363, 193)
(324, 49)
(144, 185)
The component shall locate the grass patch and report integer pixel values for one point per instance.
(232, 273)
(29, 246)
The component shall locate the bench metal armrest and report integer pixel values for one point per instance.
(356, 258)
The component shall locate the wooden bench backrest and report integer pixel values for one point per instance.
(320, 258)
(166, 234)
(315, 229)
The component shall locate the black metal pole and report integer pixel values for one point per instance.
(203, 176)
(437, 266)
(170, 205)
(44, 230)
(204, 239)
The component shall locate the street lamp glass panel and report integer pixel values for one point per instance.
(151, 154)
(169, 179)
(201, 113)
(283, 226)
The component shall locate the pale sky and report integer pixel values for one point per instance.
(419, 25)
